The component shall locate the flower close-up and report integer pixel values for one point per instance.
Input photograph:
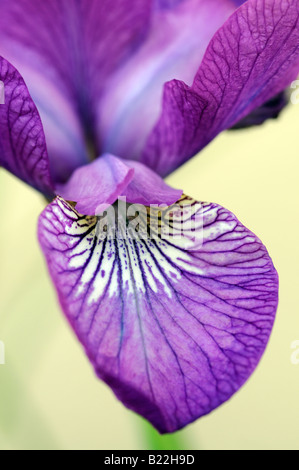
(102, 101)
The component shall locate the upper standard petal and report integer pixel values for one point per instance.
(177, 39)
(99, 84)
(269, 110)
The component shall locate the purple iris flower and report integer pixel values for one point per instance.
(102, 100)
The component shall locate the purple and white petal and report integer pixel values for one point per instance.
(149, 188)
(23, 149)
(253, 57)
(95, 186)
(174, 329)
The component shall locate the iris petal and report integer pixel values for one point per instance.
(253, 57)
(96, 186)
(174, 328)
(99, 85)
(23, 149)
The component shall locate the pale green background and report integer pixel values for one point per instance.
(49, 397)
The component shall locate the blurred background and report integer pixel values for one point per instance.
(49, 396)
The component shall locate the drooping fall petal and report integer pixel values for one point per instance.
(253, 57)
(97, 185)
(175, 327)
(174, 47)
(23, 149)
(98, 86)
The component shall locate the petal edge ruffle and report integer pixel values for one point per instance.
(23, 149)
(248, 61)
